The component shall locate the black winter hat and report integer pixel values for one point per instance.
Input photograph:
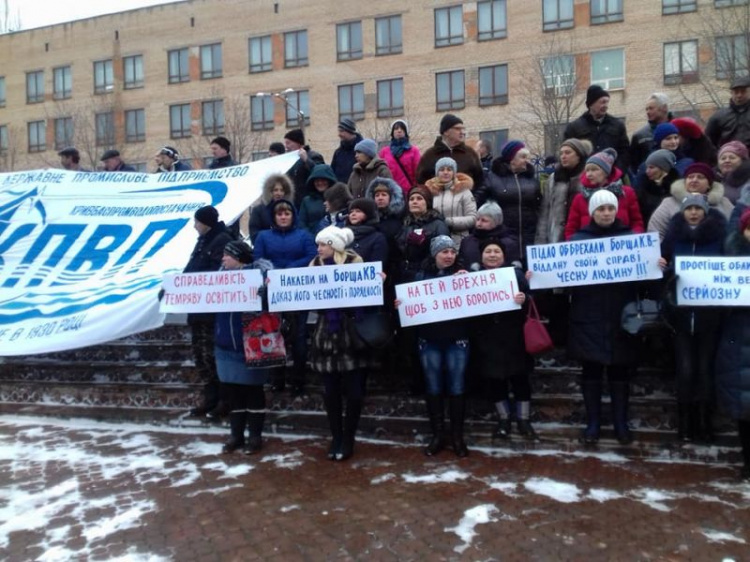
(338, 196)
(448, 121)
(207, 215)
(277, 147)
(239, 250)
(367, 206)
(296, 135)
(489, 242)
(223, 142)
(348, 125)
(595, 92)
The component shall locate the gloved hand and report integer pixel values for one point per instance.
(416, 238)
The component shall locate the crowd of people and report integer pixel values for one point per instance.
(455, 209)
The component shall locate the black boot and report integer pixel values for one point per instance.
(222, 408)
(619, 392)
(333, 411)
(684, 422)
(592, 400)
(523, 412)
(457, 406)
(255, 422)
(436, 412)
(351, 422)
(503, 429)
(706, 420)
(237, 422)
(209, 401)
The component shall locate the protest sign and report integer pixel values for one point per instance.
(593, 262)
(457, 296)
(713, 281)
(232, 290)
(326, 286)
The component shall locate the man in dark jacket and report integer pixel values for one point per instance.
(168, 160)
(207, 253)
(657, 112)
(70, 159)
(113, 162)
(294, 141)
(450, 143)
(220, 149)
(343, 159)
(599, 127)
(733, 122)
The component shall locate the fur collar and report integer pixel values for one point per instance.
(714, 196)
(463, 182)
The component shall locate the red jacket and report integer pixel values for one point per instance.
(409, 160)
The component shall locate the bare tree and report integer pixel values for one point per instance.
(10, 148)
(379, 128)
(10, 20)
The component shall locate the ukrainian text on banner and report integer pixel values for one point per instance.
(233, 290)
(457, 296)
(713, 281)
(593, 262)
(82, 255)
(324, 287)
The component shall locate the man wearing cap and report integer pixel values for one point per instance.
(343, 159)
(733, 122)
(294, 141)
(168, 160)
(657, 112)
(599, 127)
(220, 151)
(450, 143)
(113, 162)
(213, 236)
(70, 159)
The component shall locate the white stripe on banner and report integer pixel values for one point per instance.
(82, 255)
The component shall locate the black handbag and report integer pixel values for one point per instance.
(642, 316)
(373, 329)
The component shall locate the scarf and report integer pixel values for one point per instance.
(399, 146)
(615, 188)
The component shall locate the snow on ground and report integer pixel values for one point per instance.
(558, 491)
(720, 536)
(465, 529)
(444, 476)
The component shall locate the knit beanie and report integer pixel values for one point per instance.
(404, 126)
(446, 162)
(595, 92)
(223, 142)
(207, 215)
(492, 210)
(745, 221)
(602, 197)
(277, 147)
(662, 158)
(424, 192)
(582, 147)
(338, 196)
(604, 159)
(368, 147)
(440, 243)
(492, 241)
(449, 121)
(688, 127)
(735, 147)
(338, 238)
(700, 168)
(239, 250)
(348, 125)
(296, 135)
(510, 149)
(367, 206)
(694, 200)
(664, 130)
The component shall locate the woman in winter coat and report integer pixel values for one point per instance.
(389, 202)
(276, 187)
(512, 185)
(369, 243)
(599, 174)
(452, 198)
(595, 337)
(733, 354)
(333, 353)
(667, 137)
(734, 168)
(693, 141)
(699, 179)
(312, 209)
(243, 384)
(489, 225)
(697, 230)
(401, 157)
(368, 167)
(336, 201)
(499, 344)
(655, 180)
(561, 187)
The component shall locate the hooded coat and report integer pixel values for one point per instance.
(362, 176)
(285, 247)
(312, 209)
(300, 171)
(456, 204)
(260, 213)
(391, 221)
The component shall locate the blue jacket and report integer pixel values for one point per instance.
(291, 247)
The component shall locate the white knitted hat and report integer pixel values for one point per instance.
(338, 238)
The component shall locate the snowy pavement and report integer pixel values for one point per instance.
(83, 490)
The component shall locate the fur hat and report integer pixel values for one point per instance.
(404, 126)
(492, 210)
(694, 200)
(338, 238)
(595, 92)
(582, 147)
(604, 159)
(446, 162)
(223, 142)
(296, 135)
(338, 196)
(489, 242)
(662, 131)
(207, 215)
(735, 147)
(367, 206)
(688, 127)
(424, 192)
(348, 125)
(449, 121)
(440, 243)
(700, 168)
(602, 197)
(367, 147)
(239, 250)
(745, 221)
(662, 158)
(510, 149)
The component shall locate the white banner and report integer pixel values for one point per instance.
(82, 255)
(324, 287)
(233, 290)
(593, 262)
(713, 281)
(457, 296)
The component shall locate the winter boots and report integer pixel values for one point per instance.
(592, 400)
(523, 410)
(335, 423)
(237, 421)
(457, 407)
(351, 422)
(503, 427)
(619, 392)
(436, 413)
(255, 420)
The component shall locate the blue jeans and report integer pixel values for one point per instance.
(444, 364)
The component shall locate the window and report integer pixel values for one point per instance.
(493, 85)
(678, 6)
(261, 113)
(295, 49)
(179, 121)
(449, 26)
(35, 86)
(62, 83)
(608, 69)
(139, 167)
(105, 129)
(104, 78)
(606, 11)
(213, 117)
(349, 41)
(132, 70)
(37, 136)
(391, 97)
(726, 3)
(179, 71)
(297, 102)
(211, 61)
(449, 90)
(496, 138)
(560, 74)
(4, 139)
(258, 155)
(260, 54)
(558, 14)
(135, 125)
(680, 62)
(388, 35)
(352, 102)
(2, 91)
(491, 20)
(731, 57)
(63, 132)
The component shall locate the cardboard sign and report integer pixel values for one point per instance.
(218, 291)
